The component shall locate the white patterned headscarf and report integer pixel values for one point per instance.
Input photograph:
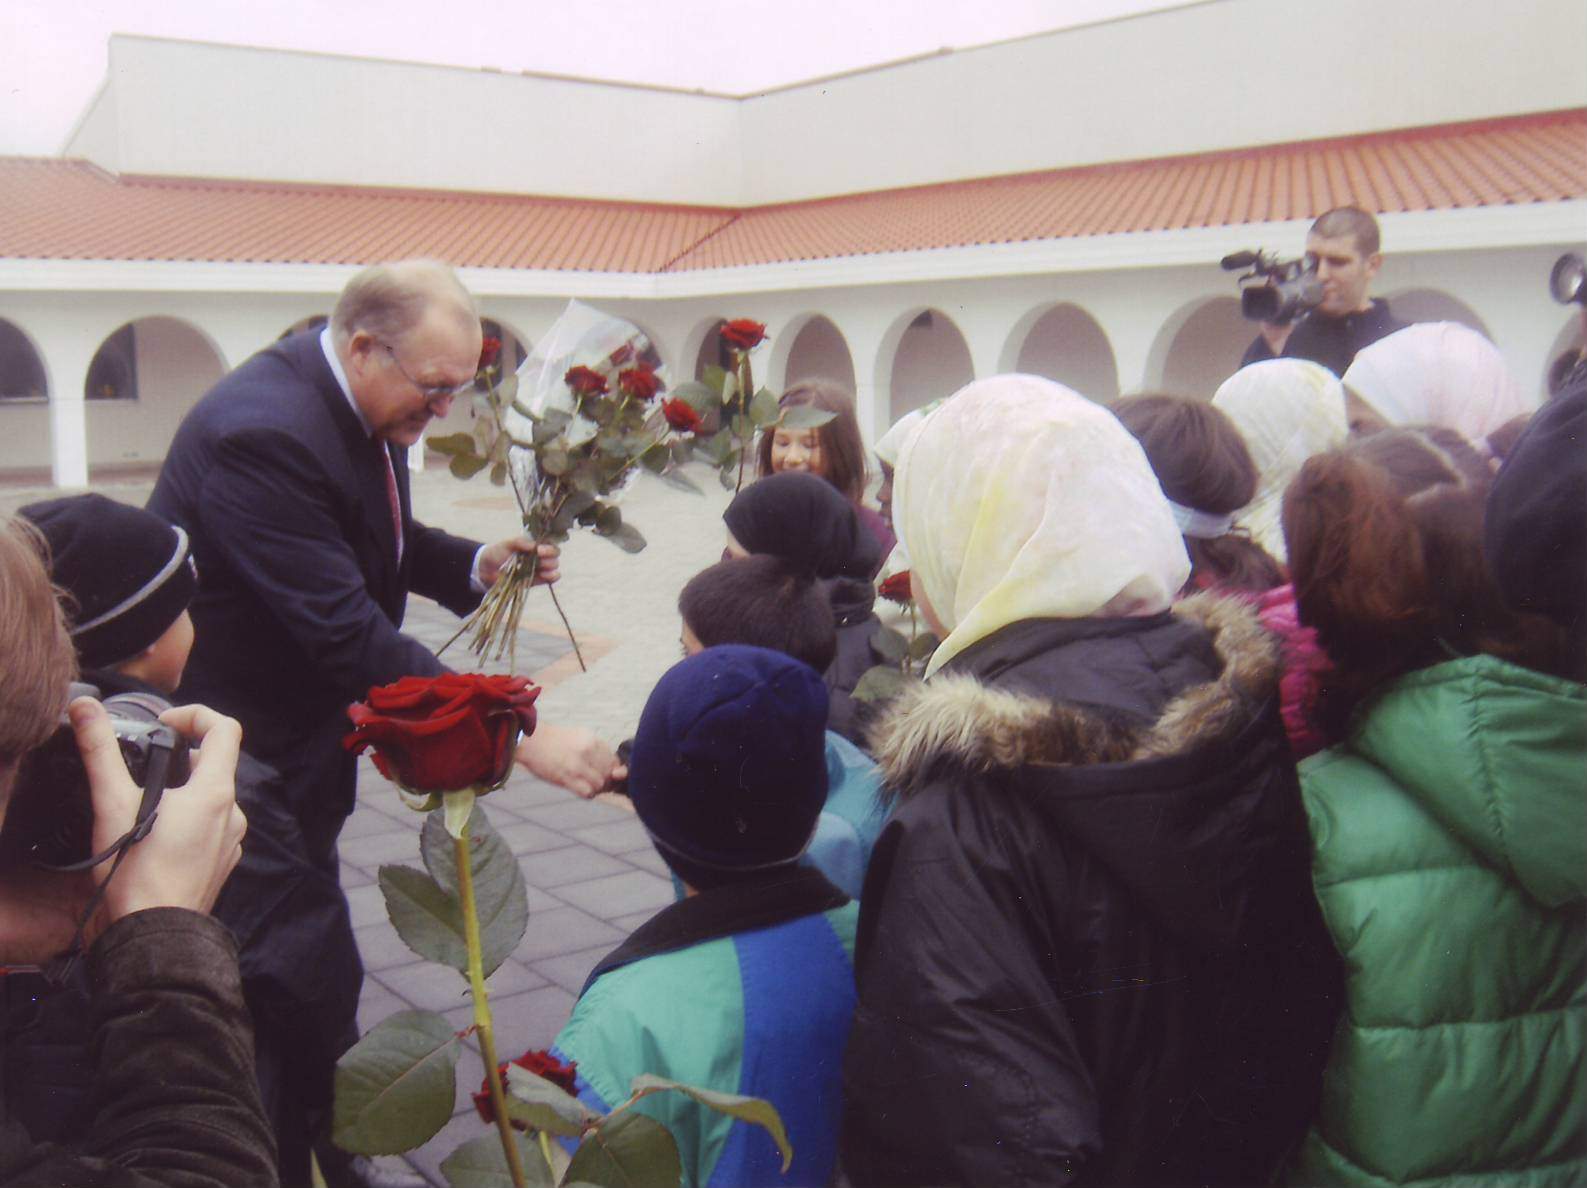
(1438, 373)
(1020, 499)
(1287, 410)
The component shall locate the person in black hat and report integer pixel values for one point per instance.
(127, 577)
(747, 985)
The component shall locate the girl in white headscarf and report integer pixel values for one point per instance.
(1287, 410)
(1438, 373)
(1090, 897)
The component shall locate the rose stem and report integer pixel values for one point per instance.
(482, 1021)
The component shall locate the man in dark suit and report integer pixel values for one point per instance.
(291, 479)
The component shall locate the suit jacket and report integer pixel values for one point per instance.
(300, 592)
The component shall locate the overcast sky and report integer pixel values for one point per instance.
(52, 52)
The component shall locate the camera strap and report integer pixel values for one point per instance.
(58, 972)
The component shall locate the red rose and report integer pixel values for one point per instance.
(896, 588)
(444, 733)
(742, 334)
(642, 382)
(489, 352)
(585, 381)
(681, 415)
(542, 1064)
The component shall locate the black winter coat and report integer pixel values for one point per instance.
(173, 1102)
(1088, 950)
(853, 607)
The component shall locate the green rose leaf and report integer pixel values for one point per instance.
(803, 416)
(481, 1163)
(743, 427)
(656, 458)
(608, 520)
(451, 443)
(728, 475)
(629, 1149)
(696, 395)
(754, 1110)
(507, 389)
(395, 1087)
(683, 482)
(890, 645)
(427, 918)
(714, 377)
(729, 391)
(763, 409)
(498, 474)
(628, 538)
(499, 894)
(921, 647)
(533, 1099)
(554, 460)
(484, 432)
(466, 466)
(882, 683)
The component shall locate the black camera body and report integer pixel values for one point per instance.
(50, 821)
(1275, 290)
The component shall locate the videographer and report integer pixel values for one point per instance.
(172, 1100)
(1343, 246)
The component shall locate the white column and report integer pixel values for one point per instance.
(68, 436)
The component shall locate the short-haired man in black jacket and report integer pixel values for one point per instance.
(1344, 243)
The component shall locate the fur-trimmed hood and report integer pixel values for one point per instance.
(1153, 745)
(959, 719)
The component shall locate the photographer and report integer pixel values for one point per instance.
(1343, 247)
(172, 1098)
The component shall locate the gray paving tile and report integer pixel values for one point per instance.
(574, 813)
(366, 904)
(631, 921)
(381, 947)
(522, 1022)
(354, 876)
(615, 837)
(376, 1003)
(524, 792)
(571, 864)
(525, 837)
(570, 969)
(366, 822)
(563, 930)
(648, 859)
(433, 987)
(619, 894)
(401, 846)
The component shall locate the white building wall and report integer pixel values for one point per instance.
(1215, 75)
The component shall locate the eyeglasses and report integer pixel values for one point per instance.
(430, 392)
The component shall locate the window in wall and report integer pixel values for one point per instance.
(113, 373)
(21, 369)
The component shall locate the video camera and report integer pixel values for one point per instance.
(1275, 290)
(50, 821)
(1568, 281)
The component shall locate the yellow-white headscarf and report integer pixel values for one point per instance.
(1020, 499)
(1438, 373)
(1287, 410)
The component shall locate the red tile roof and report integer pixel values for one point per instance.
(62, 209)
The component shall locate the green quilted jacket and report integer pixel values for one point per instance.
(1450, 859)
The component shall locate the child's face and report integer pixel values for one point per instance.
(162, 665)
(691, 642)
(797, 450)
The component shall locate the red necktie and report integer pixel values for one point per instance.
(393, 499)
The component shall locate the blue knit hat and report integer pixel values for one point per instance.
(728, 772)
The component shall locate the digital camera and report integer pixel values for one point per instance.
(50, 821)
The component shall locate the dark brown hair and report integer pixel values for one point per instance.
(1202, 462)
(764, 601)
(1352, 221)
(842, 451)
(1385, 547)
(36, 656)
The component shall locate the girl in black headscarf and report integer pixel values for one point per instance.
(809, 523)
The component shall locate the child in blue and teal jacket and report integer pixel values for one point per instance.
(765, 601)
(746, 985)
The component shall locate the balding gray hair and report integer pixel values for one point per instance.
(388, 300)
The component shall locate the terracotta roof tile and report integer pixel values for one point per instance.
(59, 209)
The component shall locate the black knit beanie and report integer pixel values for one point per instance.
(129, 574)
